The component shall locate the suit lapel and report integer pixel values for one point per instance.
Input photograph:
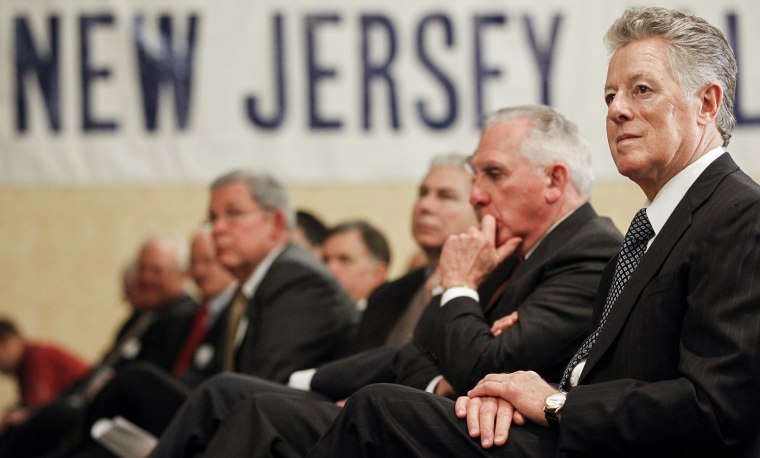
(678, 222)
(516, 292)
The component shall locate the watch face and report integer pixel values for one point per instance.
(556, 400)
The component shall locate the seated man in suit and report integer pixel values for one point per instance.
(441, 209)
(216, 287)
(358, 254)
(671, 368)
(536, 216)
(291, 313)
(129, 394)
(161, 316)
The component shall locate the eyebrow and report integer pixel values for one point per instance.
(633, 77)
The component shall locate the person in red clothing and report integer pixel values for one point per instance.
(43, 371)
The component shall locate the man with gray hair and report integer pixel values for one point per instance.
(163, 315)
(670, 368)
(293, 313)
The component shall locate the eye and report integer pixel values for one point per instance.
(608, 98)
(493, 173)
(447, 195)
(641, 89)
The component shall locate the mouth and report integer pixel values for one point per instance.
(623, 137)
(425, 226)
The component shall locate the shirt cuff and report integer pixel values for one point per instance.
(459, 291)
(301, 380)
(430, 388)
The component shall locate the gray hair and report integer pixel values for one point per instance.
(178, 245)
(700, 53)
(451, 160)
(266, 190)
(553, 138)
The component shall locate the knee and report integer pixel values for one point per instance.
(217, 382)
(376, 396)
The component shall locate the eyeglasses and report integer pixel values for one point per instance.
(231, 216)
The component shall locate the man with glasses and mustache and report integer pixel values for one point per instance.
(290, 313)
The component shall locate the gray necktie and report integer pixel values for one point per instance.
(634, 246)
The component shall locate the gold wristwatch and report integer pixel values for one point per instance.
(552, 406)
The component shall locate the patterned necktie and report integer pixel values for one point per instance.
(634, 246)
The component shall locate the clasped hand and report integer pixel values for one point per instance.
(499, 400)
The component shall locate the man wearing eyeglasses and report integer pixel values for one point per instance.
(290, 313)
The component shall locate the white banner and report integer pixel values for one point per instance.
(170, 91)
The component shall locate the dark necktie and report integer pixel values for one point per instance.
(194, 338)
(496, 295)
(634, 246)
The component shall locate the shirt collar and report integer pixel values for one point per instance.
(219, 302)
(557, 223)
(250, 285)
(660, 209)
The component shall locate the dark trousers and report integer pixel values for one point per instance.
(199, 418)
(392, 420)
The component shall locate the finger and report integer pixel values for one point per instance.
(460, 408)
(488, 227)
(504, 322)
(504, 417)
(518, 418)
(473, 417)
(508, 248)
(487, 418)
(497, 326)
(485, 388)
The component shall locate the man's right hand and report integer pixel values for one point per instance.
(469, 257)
(503, 323)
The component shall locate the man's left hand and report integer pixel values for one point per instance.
(525, 390)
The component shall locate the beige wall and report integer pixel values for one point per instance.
(62, 248)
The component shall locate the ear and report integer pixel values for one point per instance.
(710, 97)
(381, 271)
(557, 177)
(279, 224)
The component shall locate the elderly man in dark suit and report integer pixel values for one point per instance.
(671, 367)
(546, 249)
(293, 314)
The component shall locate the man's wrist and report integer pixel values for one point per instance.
(459, 291)
(553, 407)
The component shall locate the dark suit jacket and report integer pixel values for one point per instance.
(676, 369)
(366, 361)
(298, 318)
(553, 291)
(161, 342)
(384, 306)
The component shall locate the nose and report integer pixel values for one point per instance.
(424, 203)
(619, 109)
(478, 196)
(217, 225)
